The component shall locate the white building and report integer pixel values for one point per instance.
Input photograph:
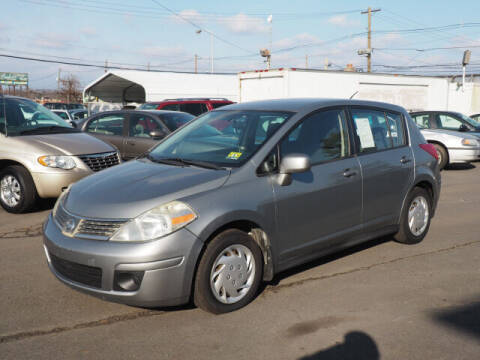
(119, 87)
(410, 91)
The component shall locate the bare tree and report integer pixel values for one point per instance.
(70, 89)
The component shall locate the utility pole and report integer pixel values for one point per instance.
(106, 65)
(306, 61)
(58, 79)
(148, 66)
(368, 51)
(196, 63)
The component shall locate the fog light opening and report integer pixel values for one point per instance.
(128, 280)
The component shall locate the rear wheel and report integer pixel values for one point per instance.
(17, 189)
(415, 218)
(229, 273)
(442, 156)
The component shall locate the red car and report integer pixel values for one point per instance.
(192, 106)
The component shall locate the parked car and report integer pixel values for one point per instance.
(447, 120)
(73, 117)
(475, 117)
(41, 154)
(192, 106)
(134, 132)
(215, 211)
(64, 106)
(443, 131)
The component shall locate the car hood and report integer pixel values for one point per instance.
(128, 190)
(63, 144)
(458, 134)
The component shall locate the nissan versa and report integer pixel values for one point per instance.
(240, 194)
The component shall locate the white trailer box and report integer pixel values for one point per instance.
(410, 91)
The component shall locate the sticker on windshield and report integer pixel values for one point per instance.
(234, 155)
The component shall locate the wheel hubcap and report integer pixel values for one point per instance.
(418, 215)
(232, 274)
(10, 191)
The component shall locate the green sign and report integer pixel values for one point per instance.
(13, 78)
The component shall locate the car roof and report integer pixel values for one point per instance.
(192, 100)
(302, 104)
(151, 112)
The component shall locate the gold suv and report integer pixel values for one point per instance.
(41, 154)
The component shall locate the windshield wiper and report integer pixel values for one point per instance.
(49, 129)
(184, 162)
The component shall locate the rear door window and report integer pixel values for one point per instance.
(172, 107)
(372, 131)
(194, 108)
(110, 124)
(218, 105)
(422, 121)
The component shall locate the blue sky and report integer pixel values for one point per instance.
(135, 33)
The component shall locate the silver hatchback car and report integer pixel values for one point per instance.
(240, 194)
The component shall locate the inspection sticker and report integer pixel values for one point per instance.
(234, 155)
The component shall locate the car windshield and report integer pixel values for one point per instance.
(147, 106)
(470, 121)
(223, 138)
(175, 120)
(24, 117)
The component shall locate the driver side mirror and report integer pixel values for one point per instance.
(292, 164)
(157, 134)
(463, 128)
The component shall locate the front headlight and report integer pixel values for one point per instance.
(155, 223)
(56, 161)
(470, 142)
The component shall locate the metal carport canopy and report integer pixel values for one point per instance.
(121, 86)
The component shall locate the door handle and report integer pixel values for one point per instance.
(349, 173)
(131, 143)
(404, 160)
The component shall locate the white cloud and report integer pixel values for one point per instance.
(163, 52)
(297, 40)
(189, 14)
(89, 31)
(340, 20)
(52, 41)
(244, 24)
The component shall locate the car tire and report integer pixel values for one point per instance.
(17, 189)
(229, 273)
(442, 156)
(415, 218)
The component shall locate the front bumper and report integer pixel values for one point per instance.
(167, 265)
(462, 155)
(51, 184)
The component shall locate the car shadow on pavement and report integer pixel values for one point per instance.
(44, 204)
(464, 318)
(465, 166)
(326, 259)
(357, 345)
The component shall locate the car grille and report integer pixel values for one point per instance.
(83, 274)
(97, 162)
(94, 229)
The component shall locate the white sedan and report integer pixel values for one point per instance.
(453, 146)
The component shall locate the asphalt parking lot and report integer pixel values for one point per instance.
(381, 300)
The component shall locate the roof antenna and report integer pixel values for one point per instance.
(351, 97)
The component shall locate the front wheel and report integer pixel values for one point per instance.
(415, 218)
(17, 189)
(229, 273)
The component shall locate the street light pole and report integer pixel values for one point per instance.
(199, 31)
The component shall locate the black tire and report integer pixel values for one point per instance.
(405, 235)
(442, 156)
(28, 193)
(204, 297)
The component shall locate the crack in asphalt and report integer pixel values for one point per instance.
(277, 288)
(91, 324)
(27, 232)
(150, 313)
